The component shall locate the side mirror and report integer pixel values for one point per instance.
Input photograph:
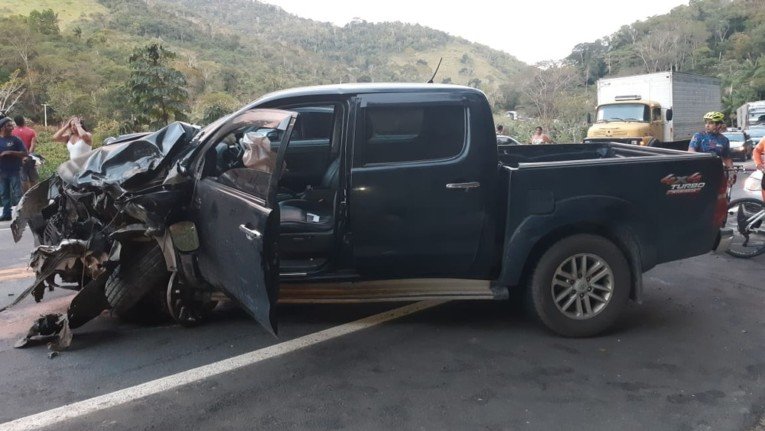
(273, 136)
(589, 118)
(669, 114)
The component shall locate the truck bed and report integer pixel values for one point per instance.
(516, 154)
(663, 200)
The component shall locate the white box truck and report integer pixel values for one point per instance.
(657, 109)
(750, 113)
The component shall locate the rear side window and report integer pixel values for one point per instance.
(415, 133)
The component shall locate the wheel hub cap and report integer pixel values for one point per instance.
(582, 286)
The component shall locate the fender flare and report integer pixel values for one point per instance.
(613, 218)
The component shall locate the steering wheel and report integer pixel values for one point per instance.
(237, 153)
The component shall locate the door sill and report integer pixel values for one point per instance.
(291, 268)
(389, 291)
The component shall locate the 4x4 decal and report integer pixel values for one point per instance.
(693, 183)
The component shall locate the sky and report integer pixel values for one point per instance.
(530, 30)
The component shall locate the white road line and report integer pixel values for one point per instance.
(163, 384)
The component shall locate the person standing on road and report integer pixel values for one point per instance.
(78, 140)
(12, 150)
(29, 137)
(757, 155)
(711, 140)
(539, 138)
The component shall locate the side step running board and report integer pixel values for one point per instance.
(389, 290)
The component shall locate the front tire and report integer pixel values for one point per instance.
(138, 273)
(186, 305)
(580, 286)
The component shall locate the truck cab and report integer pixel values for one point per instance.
(629, 120)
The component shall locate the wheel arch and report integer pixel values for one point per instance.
(613, 219)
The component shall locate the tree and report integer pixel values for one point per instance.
(10, 92)
(668, 45)
(16, 34)
(158, 90)
(67, 99)
(212, 106)
(544, 88)
(589, 59)
(45, 22)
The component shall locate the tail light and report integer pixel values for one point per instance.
(721, 208)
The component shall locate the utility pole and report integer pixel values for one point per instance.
(45, 113)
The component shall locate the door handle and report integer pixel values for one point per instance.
(463, 186)
(250, 233)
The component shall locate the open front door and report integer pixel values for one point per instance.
(235, 212)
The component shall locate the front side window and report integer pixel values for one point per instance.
(656, 114)
(244, 154)
(415, 133)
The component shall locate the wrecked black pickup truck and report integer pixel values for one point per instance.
(351, 193)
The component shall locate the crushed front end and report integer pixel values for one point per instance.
(101, 228)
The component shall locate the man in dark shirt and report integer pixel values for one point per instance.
(711, 140)
(28, 136)
(12, 151)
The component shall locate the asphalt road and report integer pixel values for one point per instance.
(690, 357)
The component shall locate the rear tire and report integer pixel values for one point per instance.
(745, 244)
(580, 286)
(138, 273)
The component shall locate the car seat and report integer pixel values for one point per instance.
(307, 223)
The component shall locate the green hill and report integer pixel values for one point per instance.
(68, 10)
(241, 47)
(73, 56)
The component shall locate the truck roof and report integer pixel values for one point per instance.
(666, 74)
(364, 88)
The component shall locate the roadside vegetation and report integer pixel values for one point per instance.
(131, 65)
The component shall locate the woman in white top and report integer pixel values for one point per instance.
(78, 140)
(540, 138)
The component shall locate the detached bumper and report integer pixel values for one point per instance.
(723, 240)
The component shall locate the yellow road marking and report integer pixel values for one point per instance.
(17, 273)
(14, 270)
